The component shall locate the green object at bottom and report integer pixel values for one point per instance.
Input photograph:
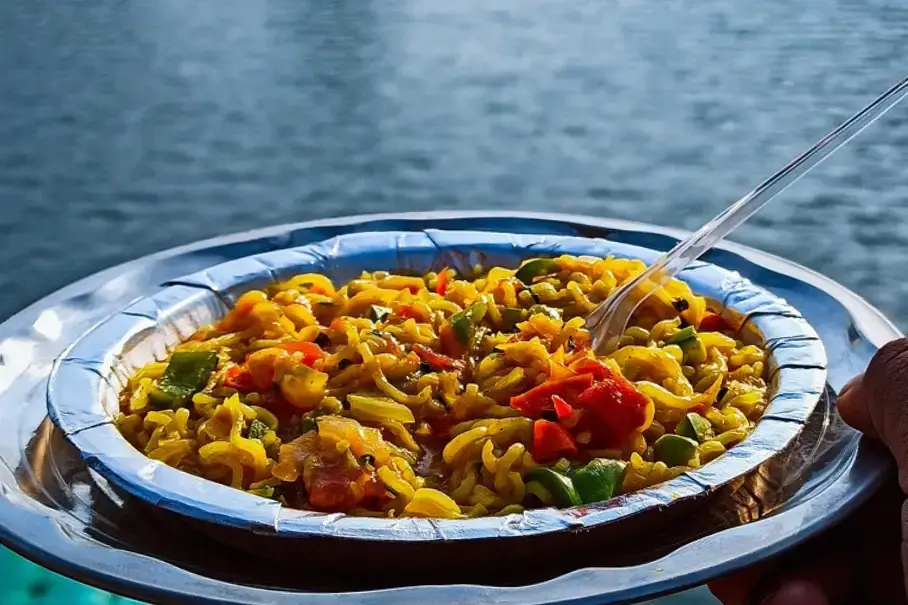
(29, 584)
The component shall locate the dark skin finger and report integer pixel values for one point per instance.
(862, 559)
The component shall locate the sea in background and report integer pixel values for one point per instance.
(127, 127)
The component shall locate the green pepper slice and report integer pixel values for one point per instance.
(599, 480)
(464, 322)
(378, 313)
(511, 316)
(674, 450)
(560, 487)
(550, 312)
(695, 426)
(535, 268)
(681, 336)
(187, 373)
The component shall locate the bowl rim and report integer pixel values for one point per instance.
(797, 369)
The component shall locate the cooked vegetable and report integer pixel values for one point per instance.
(378, 313)
(257, 429)
(539, 399)
(551, 441)
(558, 486)
(695, 426)
(550, 312)
(536, 268)
(599, 480)
(674, 450)
(187, 373)
(511, 316)
(464, 322)
(682, 335)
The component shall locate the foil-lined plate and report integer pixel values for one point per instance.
(56, 510)
(85, 384)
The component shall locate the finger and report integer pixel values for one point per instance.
(854, 407)
(884, 390)
(736, 589)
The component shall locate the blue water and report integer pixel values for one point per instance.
(127, 127)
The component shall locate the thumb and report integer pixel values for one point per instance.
(877, 402)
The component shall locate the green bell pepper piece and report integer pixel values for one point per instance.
(681, 336)
(550, 312)
(695, 426)
(464, 322)
(187, 373)
(378, 313)
(511, 316)
(535, 268)
(674, 450)
(559, 486)
(599, 480)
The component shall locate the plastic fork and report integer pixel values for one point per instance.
(608, 321)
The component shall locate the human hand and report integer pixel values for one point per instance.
(865, 559)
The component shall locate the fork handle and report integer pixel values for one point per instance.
(729, 219)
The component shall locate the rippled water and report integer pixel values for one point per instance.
(129, 127)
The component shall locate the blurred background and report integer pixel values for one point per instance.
(128, 127)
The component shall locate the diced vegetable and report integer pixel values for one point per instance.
(620, 409)
(562, 409)
(378, 408)
(599, 480)
(539, 399)
(674, 450)
(598, 369)
(239, 378)
(441, 287)
(511, 316)
(257, 429)
(304, 387)
(464, 323)
(437, 361)
(563, 465)
(311, 351)
(551, 441)
(534, 268)
(187, 373)
(554, 483)
(713, 322)
(264, 492)
(429, 502)
(378, 313)
(694, 350)
(550, 312)
(682, 335)
(695, 426)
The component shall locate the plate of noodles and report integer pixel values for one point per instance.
(435, 386)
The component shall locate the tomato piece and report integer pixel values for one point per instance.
(713, 322)
(449, 342)
(552, 441)
(619, 408)
(562, 409)
(311, 351)
(442, 286)
(239, 378)
(434, 359)
(539, 399)
(592, 366)
(331, 492)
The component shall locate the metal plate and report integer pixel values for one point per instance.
(56, 512)
(85, 383)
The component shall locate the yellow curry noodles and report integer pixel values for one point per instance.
(448, 395)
